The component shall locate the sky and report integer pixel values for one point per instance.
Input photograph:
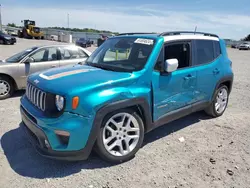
(227, 18)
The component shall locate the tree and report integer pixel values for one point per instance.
(11, 25)
(247, 38)
(83, 30)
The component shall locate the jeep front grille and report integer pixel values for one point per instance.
(36, 96)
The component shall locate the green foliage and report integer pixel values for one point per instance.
(247, 38)
(11, 25)
(83, 30)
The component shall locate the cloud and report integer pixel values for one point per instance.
(148, 18)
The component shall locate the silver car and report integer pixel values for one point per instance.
(245, 46)
(15, 69)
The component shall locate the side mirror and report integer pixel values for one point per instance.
(171, 65)
(29, 60)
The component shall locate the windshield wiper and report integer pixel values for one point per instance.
(102, 66)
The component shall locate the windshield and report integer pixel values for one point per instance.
(122, 54)
(19, 56)
(36, 29)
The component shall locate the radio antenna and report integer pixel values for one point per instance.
(195, 29)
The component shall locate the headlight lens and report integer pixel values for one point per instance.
(59, 102)
(8, 38)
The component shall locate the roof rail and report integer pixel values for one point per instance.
(187, 32)
(134, 33)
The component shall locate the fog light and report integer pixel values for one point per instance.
(46, 143)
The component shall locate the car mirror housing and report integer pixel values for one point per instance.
(171, 65)
(29, 60)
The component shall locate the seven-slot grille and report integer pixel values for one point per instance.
(36, 96)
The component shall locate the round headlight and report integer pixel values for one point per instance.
(59, 102)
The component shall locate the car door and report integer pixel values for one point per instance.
(42, 59)
(71, 55)
(172, 91)
(207, 59)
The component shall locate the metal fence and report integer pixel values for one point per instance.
(75, 35)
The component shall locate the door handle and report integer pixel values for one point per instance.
(216, 71)
(188, 77)
(53, 66)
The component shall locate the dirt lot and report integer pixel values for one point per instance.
(215, 153)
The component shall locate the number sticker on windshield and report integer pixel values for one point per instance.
(144, 41)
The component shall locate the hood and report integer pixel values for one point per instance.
(6, 35)
(77, 78)
(4, 63)
(244, 44)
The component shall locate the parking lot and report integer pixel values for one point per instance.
(214, 153)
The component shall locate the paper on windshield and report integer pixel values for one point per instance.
(144, 41)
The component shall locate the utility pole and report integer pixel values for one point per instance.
(1, 27)
(68, 21)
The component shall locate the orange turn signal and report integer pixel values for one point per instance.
(75, 102)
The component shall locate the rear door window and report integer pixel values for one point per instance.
(72, 53)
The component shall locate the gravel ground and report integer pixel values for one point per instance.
(215, 153)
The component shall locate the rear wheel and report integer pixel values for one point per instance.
(120, 136)
(219, 104)
(6, 87)
(1, 41)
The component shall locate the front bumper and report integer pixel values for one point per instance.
(46, 141)
(244, 48)
(10, 41)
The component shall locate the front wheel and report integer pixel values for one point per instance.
(6, 87)
(2, 41)
(120, 136)
(219, 104)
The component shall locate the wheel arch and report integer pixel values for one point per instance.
(139, 105)
(11, 78)
(228, 81)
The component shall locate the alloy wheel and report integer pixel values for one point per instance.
(121, 134)
(4, 88)
(221, 100)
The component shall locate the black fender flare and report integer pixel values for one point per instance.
(127, 103)
(223, 80)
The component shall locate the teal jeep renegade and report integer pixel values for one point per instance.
(130, 85)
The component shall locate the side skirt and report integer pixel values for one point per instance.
(179, 113)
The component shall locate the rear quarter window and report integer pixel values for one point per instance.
(206, 51)
(217, 49)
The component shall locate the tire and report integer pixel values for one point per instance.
(6, 82)
(211, 110)
(119, 136)
(1, 41)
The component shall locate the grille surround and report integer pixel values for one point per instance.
(36, 96)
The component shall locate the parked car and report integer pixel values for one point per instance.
(6, 39)
(245, 46)
(235, 46)
(15, 69)
(54, 37)
(110, 102)
(83, 42)
(11, 32)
